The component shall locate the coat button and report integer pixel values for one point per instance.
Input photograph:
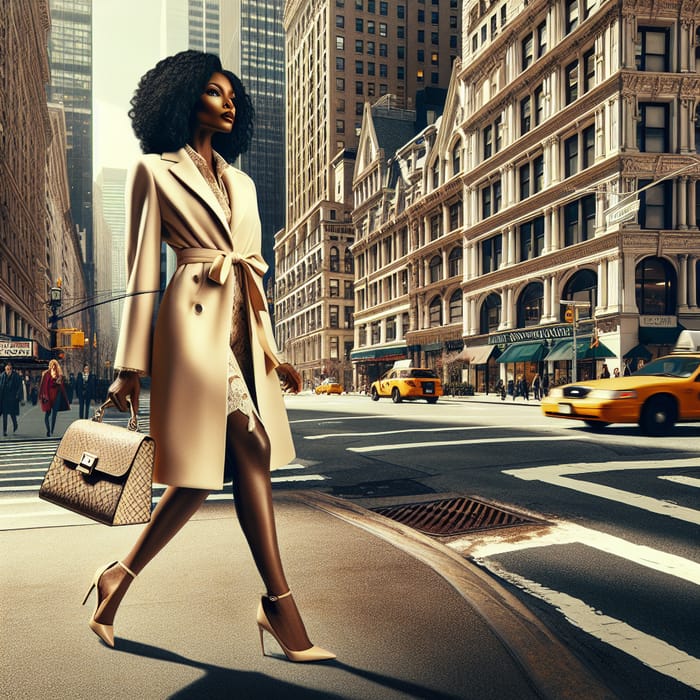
(198, 308)
(195, 279)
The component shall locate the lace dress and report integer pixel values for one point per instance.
(241, 381)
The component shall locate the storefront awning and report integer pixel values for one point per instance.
(659, 336)
(376, 353)
(638, 352)
(478, 355)
(523, 352)
(563, 350)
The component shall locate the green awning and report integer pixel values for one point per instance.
(523, 352)
(563, 350)
(374, 353)
(431, 347)
(638, 352)
(659, 336)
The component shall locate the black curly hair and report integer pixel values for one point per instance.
(163, 104)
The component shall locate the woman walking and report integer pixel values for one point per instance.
(52, 395)
(192, 119)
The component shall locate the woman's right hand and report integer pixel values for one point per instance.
(127, 385)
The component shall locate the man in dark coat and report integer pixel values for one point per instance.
(10, 396)
(85, 388)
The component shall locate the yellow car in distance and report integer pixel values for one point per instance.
(657, 396)
(329, 386)
(407, 384)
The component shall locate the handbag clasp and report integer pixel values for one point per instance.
(87, 463)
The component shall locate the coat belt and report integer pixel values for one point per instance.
(250, 265)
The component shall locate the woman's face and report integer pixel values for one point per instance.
(215, 110)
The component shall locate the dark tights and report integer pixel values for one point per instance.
(248, 458)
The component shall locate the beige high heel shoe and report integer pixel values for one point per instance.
(311, 654)
(104, 632)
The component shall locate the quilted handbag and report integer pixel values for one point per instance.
(102, 471)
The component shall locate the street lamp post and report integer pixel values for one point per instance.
(575, 306)
(55, 298)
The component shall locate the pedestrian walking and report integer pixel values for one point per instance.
(545, 384)
(224, 418)
(52, 395)
(605, 373)
(10, 397)
(86, 389)
(537, 387)
(616, 372)
(523, 388)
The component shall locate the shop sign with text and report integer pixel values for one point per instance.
(530, 334)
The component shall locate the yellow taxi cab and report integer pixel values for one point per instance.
(407, 384)
(329, 386)
(657, 396)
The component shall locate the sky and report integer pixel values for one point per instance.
(126, 43)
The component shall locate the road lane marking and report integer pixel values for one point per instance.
(565, 533)
(554, 475)
(655, 653)
(342, 418)
(683, 480)
(451, 443)
(415, 430)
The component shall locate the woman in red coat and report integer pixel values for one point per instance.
(51, 391)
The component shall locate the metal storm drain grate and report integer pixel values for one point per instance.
(453, 516)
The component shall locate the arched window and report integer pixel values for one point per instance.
(436, 268)
(582, 286)
(334, 259)
(435, 174)
(490, 314)
(655, 285)
(457, 158)
(530, 305)
(349, 265)
(456, 309)
(454, 262)
(435, 312)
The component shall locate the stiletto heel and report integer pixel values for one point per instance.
(313, 653)
(104, 632)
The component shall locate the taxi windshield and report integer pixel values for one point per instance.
(682, 367)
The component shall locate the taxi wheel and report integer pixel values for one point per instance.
(658, 416)
(432, 400)
(395, 395)
(374, 395)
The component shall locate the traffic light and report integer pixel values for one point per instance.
(569, 315)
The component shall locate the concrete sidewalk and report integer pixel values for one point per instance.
(406, 619)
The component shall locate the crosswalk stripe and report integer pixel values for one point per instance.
(451, 443)
(683, 480)
(412, 431)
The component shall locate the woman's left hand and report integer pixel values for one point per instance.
(291, 381)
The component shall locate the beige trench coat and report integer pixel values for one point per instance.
(186, 354)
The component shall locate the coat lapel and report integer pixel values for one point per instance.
(186, 172)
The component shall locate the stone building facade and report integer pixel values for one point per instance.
(565, 168)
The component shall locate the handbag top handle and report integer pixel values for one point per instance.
(133, 423)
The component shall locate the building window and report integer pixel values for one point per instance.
(588, 146)
(524, 173)
(334, 287)
(400, 73)
(359, 87)
(486, 202)
(400, 32)
(656, 205)
(456, 158)
(652, 128)
(527, 52)
(370, 48)
(571, 156)
(530, 304)
(334, 260)
(532, 239)
(435, 268)
(652, 52)
(359, 25)
(456, 308)
(455, 215)
(435, 173)
(454, 262)
(582, 286)
(340, 84)
(349, 262)
(340, 43)
(401, 52)
(498, 132)
(391, 328)
(339, 63)
(334, 345)
(340, 21)
(348, 289)
(434, 227)
(571, 76)
(579, 220)
(538, 174)
(488, 141)
(525, 115)
(339, 126)
(541, 39)
(435, 313)
(490, 315)
(539, 105)
(383, 72)
(371, 27)
(491, 199)
(655, 285)
(571, 14)
(491, 254)
(359, 46)
(333, 316)
(400, 11)
(359, 67)
(382, 29)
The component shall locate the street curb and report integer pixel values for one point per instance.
(553, 670)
